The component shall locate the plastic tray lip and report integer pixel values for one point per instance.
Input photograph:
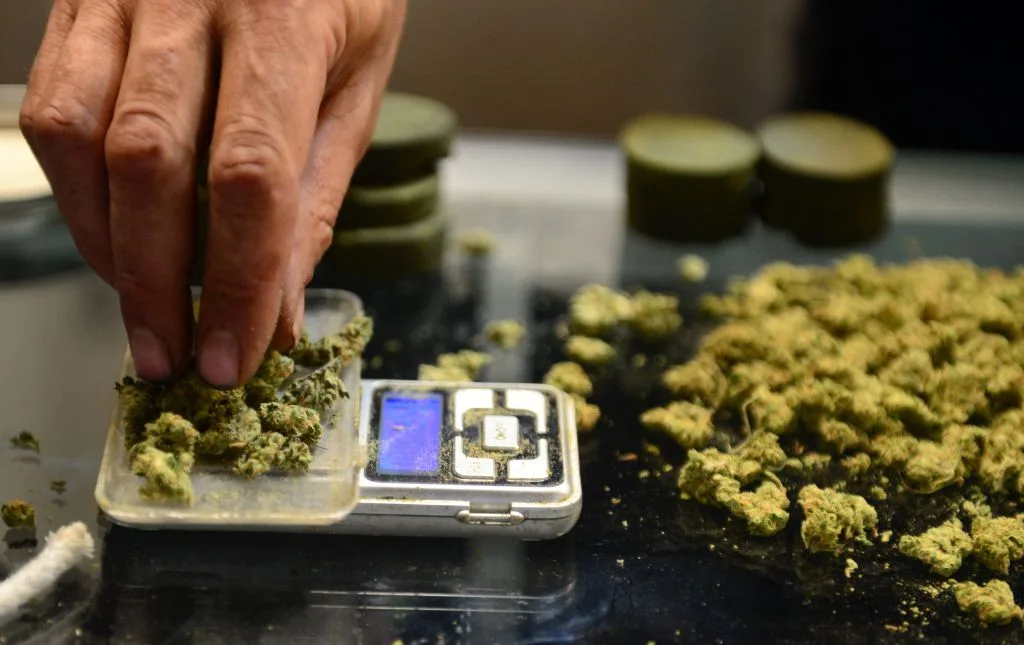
(182, 518)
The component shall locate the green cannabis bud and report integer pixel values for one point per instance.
(275, 368)
(347, 345)
(320, 390)
(165, 458)
(229, 433)
(655, 315)
(137, 407)
(506, 333)
(273, 450)
(293, 421)
(18, 514)
(992, 602)
(570, 378)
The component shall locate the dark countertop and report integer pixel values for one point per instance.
(637, 567)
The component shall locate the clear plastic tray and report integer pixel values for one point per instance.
(323, 495)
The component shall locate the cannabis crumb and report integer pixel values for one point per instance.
(693, 268)
(476, 242)
(506, 333)
(18, 514)
(851, 566)
(25, 440)
(58, 486)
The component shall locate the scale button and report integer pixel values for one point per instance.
(471, 467)
(501, 432)
(535, 469)
(471, 399)
(532, 401)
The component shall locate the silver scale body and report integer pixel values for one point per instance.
(477, 504)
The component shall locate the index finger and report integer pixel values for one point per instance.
(272, 83)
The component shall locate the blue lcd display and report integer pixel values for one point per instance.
(410, 434)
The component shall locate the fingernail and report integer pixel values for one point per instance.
(149, 355)
(218, 359)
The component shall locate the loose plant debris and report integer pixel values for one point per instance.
(272, 423)
(506, 333)
(18, 514)
(476, 242)
(25, 440)
(693, 268)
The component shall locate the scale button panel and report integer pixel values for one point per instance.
(531, 401)
(501, 432)
(471, 399)
(533, 469)
(468, 467)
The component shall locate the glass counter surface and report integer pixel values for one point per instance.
(636, 568)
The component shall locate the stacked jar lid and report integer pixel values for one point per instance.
(391, 224)
(821, 177)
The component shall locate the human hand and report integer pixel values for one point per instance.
(123, 96)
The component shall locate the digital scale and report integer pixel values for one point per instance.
(399, 458)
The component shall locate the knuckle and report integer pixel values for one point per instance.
(247, 158)
(26, 122)
(65, 120)
(321, 239)
(143, 142)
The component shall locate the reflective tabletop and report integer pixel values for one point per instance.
(636, 568)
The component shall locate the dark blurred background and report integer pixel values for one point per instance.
(937, 74)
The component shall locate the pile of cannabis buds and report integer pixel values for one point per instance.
(273, 422)
(909, 375)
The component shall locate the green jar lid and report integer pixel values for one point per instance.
(412, 134)
(392, 251)
(825, 178)
(688, 178)
(825, 145)
(378, 206)
(688, 145)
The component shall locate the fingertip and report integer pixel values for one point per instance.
(149, 354)
(219, 359)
